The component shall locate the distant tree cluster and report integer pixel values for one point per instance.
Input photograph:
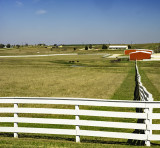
(129, 47)
(90, 46)
(2, 45)
(104, 46)
(86, 47)
(41, 44)
(7, 46)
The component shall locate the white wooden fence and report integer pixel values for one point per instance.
(77, 122)
(144, 94)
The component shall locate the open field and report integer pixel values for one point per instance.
(96, 48)
(42, 50)
(91, 77)
(88, 76)
(150, 72)
(59, 143)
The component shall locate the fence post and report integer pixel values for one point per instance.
(77, 126)
(148, 123)
(15, 123)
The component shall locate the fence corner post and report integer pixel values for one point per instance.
(15, 123)
(77, 125)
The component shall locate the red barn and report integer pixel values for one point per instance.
(139, 55)
(127, 52)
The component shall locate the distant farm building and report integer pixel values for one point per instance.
(118, 47)
(127, 52)
(140, 55)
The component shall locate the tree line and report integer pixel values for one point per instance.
(9, 46)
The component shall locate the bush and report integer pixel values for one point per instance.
(104, 46)
(129, 47)
(17, 46)
(8, 46)
(1, 45)
(86, 47)
(157, 50)
(90, 46)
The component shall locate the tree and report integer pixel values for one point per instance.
(1, 45)
(8, 46)
(129, 47)
(90, 46)
(104, 46)
(17, 46)
(86, 47)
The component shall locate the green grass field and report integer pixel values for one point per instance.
(97, 48)
(150, 77)
(33, 50)
(91, 77)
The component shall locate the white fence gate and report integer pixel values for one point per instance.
(77, 122)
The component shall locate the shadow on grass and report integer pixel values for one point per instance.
(84, 140)
(103, 142)
(6, 134)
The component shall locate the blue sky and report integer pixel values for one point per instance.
(79, 21)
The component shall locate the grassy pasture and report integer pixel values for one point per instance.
(95, 77)
(59, 143)
(150, 72)
(91, 77)
(97, 48)
(65, 49)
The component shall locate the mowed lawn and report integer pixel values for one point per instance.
(89, 76)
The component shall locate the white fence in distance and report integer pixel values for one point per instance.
(144, 94)
(77, 122)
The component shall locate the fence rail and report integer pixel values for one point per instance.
(143, 93)
(143, 102)
(77, 122)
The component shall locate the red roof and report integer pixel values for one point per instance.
(139, 55)
(127, 52)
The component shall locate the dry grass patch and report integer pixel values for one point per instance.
(150, 77)
(95, 77)
(155, 80)
(58, 82)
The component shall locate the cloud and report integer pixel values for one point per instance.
(19, 4)
(39, 12)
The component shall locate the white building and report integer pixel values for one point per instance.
(118, 47)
